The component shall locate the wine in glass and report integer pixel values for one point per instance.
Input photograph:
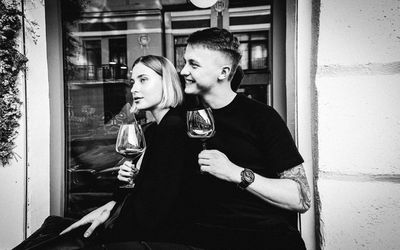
(200, 124)
(131, 144)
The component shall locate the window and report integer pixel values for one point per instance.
(253, 46)
(254, 50)
(96, 104)
(97, 52)
(180, 46)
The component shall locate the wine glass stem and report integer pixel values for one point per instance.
(204, 144)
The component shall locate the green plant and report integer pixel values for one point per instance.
(12, 62)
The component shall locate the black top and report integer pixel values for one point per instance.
(154, 208)
(252, 135)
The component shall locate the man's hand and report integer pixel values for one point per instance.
(95, 218)
(217, 163)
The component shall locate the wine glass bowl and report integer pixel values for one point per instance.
(131, 144)
(200, 124)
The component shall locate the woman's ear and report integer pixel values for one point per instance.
(225, 71)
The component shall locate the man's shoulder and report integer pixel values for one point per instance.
(254, 106)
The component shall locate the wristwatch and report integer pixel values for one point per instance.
(247, 177)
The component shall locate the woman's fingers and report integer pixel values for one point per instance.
(98, 221)
(126, 169)
(124, 179)
(125, 174)
(203, 162)
(73, 226)
(128, 164)
(92, 227)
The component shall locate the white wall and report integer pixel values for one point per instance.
(32, 144)
(358, 100)
(38, 121)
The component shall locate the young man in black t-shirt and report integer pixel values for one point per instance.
(254, 183)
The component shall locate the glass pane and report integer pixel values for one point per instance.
(179, 59)
(181, 40)
(259, 56)
(242, 37)
(244, 48)
(259, 36)
(96, 54)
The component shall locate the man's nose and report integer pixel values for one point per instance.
(184, 71)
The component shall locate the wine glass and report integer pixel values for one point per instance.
(131, 144)
(200, 124)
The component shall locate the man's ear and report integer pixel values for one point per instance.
(225, 71)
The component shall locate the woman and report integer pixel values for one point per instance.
(152, 210)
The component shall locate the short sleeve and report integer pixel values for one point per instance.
(278, 145)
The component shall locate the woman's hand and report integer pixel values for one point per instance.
(127, 171)
(217, 163)
(95, 218)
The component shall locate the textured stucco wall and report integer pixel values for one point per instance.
(358, 115)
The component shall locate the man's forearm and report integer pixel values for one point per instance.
(290, 192)
(298, 175)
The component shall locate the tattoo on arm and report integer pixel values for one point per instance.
(298, 175)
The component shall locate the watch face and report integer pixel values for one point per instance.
(248, 175)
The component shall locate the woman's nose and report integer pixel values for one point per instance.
(134, 89)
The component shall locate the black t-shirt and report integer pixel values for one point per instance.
(252, 135)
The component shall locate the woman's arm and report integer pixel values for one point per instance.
(290, 192)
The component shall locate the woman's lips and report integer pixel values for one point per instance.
(137, 99)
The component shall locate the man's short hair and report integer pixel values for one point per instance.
(219, 40)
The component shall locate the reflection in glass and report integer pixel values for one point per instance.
(99, 44)
(242, 37)
(180, 47)
(259, 56)
(244, 62)
(259, 36)
(200, 124)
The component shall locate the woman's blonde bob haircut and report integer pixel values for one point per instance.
(172, 93)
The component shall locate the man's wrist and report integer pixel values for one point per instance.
(247, 178)
(235, 174)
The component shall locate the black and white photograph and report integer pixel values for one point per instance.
(199, 124)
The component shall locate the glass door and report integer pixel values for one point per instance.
(100, 41)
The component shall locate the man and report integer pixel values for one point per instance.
(253, 182)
